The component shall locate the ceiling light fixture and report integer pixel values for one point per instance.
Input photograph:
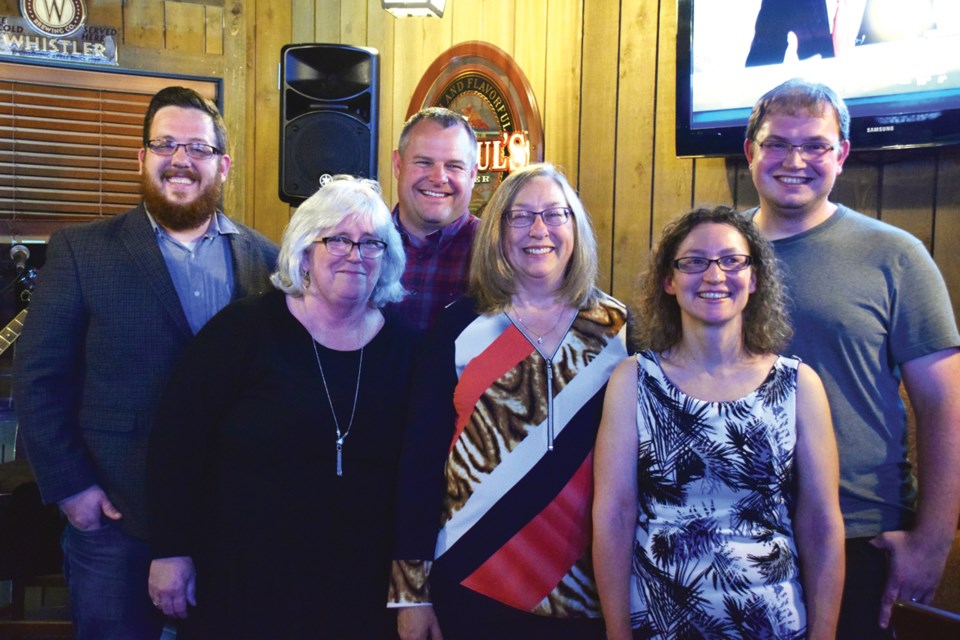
(421, 8)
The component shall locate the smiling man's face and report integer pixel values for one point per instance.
(181, 192)
(791, 186)
(435, 175)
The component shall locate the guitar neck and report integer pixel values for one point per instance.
(10, 333)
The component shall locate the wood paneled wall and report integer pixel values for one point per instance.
(603, 74)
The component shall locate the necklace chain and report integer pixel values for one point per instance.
(353, 411)
(539, 336)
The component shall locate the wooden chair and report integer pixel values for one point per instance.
(915, 621)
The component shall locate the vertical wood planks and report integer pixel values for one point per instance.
(213, 30)
(144, 24)
(908, 195)
(380, 37)
(711, 182)
(635, 132)
(238, 192)
(598, 125)
(103, 13)
(560, 109)
(946, 237)
(498, 23)
(272, 30)
(353, 23)
(857, 186)
(466, 21)
(185, 27)
(672, 184)
(528, 46)
(307, 26)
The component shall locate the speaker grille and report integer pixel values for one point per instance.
(323, 143)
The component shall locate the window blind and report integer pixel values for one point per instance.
(68, 153)
(69, 140)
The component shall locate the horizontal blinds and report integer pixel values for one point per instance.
(68, 153)
(69, 140)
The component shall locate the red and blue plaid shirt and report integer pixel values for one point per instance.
(436, 271)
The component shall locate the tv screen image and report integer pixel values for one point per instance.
(896, 63)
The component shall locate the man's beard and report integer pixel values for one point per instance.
(180, 217)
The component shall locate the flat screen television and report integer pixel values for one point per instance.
(896, 63)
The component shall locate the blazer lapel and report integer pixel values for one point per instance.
(245, 272)
(140, 240)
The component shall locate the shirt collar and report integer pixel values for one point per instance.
(219, 225)
(440, 237)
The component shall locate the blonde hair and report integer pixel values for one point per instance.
(493, 278)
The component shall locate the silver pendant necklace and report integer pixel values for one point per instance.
(538, 336)
(336, 423)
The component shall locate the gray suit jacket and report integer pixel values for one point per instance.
(104, 330)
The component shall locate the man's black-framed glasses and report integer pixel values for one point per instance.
(553, 217)
(779, 149)
(195, 150)
(342, 246)
(696, 264)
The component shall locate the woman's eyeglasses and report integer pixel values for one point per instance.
(551, 217)
(341, 246)
(696, 264)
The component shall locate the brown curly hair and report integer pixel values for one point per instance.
(766, 328)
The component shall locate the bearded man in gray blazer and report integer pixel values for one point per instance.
(116, 303)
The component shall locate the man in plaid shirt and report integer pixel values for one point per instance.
(435, 165)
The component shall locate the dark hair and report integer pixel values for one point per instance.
(443, 117)
(188, 99)
(796, 96)
(766, 328)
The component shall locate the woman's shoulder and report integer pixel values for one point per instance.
(647, 360)
(635, 362)
(605, 311)
(252, 310)
(806, 375)
(605, 300)
(788, 362)
(789, 373)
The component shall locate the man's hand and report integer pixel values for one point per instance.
(173, 585)
(418, 623)
(914, 568)
(85, 510)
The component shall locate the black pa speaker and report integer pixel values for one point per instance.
(329, 101)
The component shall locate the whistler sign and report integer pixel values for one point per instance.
(57, 30)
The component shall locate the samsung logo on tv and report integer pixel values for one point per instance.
(879, 129)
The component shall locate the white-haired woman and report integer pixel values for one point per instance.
(272, 462)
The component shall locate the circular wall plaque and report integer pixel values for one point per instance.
(484, 84)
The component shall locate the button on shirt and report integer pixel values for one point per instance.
(437, 269)
(202, 272)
